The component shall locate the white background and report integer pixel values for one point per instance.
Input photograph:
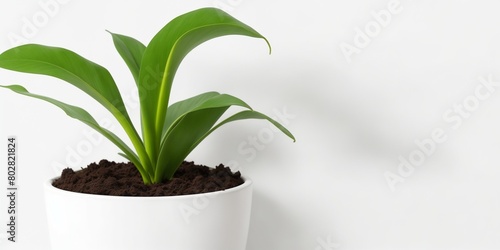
(353, 121)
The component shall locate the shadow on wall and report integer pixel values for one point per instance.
(333, 108)
(270, 227)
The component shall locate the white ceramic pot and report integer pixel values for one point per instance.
(211, 221)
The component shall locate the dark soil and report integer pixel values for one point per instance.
(123, 179)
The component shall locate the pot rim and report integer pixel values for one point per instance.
(48, 186)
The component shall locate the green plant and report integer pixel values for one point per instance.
(169, 133)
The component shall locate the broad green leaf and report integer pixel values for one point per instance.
(179, 108)
(248, 114)
(163, 56)
(192, 118)
(131, 51)
(66, 65)
(88, 76)
(192, 129)
(204, 101)
(83, 116)
(178, 144)
(194, 123)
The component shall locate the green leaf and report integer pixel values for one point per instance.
(249, 114)
(163, 56)
(88, 76)
(131, 51)
(204, 101)
(182, 107)
(192, 129)
(195, 121)
(66, 65)
(190, 120)
(180, 139)
(83, 116)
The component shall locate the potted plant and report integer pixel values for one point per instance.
(78, 220)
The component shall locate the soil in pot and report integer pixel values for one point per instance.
(123, 179)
